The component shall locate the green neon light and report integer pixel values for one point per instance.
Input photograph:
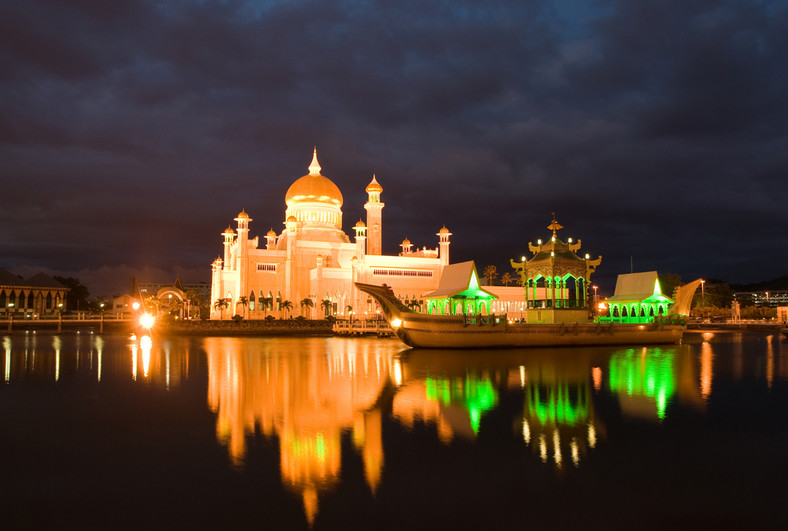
(651, 375)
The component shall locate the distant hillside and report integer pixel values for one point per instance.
(777, 283)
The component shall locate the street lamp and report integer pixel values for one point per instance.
(702, 293)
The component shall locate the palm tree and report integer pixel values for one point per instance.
(265, 302)
(221, 305)
(506, 279)
(286, 306)
(306, 304)
(327, 306)
(414, 304)
(490, 273)
(244, 302)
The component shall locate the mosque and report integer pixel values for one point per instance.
(310, 268)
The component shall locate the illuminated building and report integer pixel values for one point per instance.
(39, 295)
(313, 259)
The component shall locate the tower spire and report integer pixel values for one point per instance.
(314, 168)
(555, 226)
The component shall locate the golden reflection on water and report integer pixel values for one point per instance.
(306, 392)
(706, 369)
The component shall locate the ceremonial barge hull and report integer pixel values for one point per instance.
(494, 331)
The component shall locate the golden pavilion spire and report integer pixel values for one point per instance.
(555, 226)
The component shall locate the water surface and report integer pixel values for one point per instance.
(288, 433)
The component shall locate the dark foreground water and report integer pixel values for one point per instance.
(279, 433)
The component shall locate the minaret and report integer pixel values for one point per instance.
(374, 210)
(216, 283)
(444, 234)
(361, 238)
(229, 236)
(290, 273)
(270, 240)
(242, 252)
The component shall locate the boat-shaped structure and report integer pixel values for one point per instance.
(496, 331)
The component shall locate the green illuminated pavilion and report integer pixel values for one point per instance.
(459, 292)
(638, 299)
(556, 279)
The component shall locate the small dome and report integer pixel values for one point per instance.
(314, 187)
(406, 242)
(271, 232)
(360, 224)
(291, 219)
(444, 230)
(374, 186)
(243, 215)
(228, 230)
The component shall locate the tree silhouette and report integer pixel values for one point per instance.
(327, 306)
(306, 304)
(490, 273)
(243, 302)
(286, 306)
(221, 305)
(506, 279)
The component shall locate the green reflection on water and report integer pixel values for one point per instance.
(558, 404)
(476, 395)
(650, 372)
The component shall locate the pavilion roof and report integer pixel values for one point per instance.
(460, 281)
(632, 287)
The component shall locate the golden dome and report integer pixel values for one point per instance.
(291, 219)
(360, 224)
(228, 230)
(444, 230)
(406, 242)
(243, 215)
(271, 233)
(314, 187)
(374, 186)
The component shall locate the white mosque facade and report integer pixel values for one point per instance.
(313, 259)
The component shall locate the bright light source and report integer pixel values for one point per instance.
(147, 320)
(396, 322)
(135, 305)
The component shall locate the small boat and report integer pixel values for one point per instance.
(495, 331)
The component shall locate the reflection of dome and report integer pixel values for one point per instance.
(314, 187)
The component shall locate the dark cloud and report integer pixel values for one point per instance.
(132, 132)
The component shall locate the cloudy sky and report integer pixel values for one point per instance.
(132, 132)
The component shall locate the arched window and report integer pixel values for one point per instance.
(251, 301)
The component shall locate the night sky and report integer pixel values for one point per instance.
(132, 132)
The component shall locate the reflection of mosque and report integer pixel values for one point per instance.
(307, 399)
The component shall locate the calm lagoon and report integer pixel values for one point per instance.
(105, 431)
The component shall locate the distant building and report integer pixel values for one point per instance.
(37, 296)
(771, 299)
(313, 260)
